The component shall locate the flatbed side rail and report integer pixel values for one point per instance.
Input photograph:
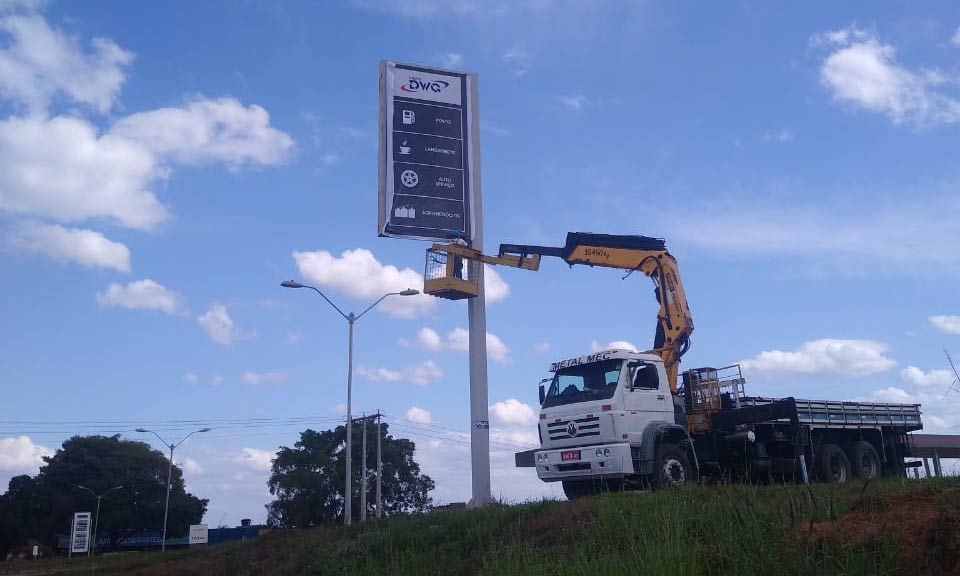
(841, 414)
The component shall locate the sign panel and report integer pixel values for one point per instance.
(429, 146)
(198, 534)
(80, 534)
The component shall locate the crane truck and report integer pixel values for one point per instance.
(621, 419)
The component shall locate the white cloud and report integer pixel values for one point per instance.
(451, 60)
(219, 326)
(542, 347)
(379, 374)
(190, 378)
(191, 466)
(263, 378)
(256, 458)
(825, 356)
(429, 339)
(513, 412)
(61, 168)
(948, 324)
(39, 63)
(141, 294)
(459, 339)
(421, 374)
(84, 247)
(575, 102)
(862, 71)
(496, 349)
(934, 378)
(216, 380)
(358, 274)
(782, 135)
(494, 287)
(418, 415)
(892, 395)
(204, 130)
(21, 455)
(614, 345)
(519, 61)
(956, 37)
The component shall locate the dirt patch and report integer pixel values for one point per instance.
(557, 525)
(925, 523)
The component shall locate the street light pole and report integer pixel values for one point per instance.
(351, 319)
(96, 516)
(172, 447)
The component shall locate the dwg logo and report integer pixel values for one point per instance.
(417, 84)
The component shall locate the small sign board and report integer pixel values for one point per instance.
(198, 534)
(80, 533)
(429, 153)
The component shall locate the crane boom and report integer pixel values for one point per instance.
(631, 253)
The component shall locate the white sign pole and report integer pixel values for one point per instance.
(477, 325)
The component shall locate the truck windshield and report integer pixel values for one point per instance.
(597, 381)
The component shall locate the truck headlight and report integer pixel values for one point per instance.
(599, 453)
(606, 452)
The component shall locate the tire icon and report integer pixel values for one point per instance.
(409, 178)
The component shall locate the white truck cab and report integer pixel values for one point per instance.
(603, 418)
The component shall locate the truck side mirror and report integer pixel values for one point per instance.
(543, 394)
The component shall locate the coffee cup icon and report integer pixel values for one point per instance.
(404, 149)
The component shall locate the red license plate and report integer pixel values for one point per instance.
(570, 455)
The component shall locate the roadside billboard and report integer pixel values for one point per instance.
(80, 533)
(198, 534)
(429, 153)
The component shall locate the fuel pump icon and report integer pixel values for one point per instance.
(409, 117)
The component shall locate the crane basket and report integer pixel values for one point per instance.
(447, 275)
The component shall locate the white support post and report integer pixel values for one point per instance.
(477, 324)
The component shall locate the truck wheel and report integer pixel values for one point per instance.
(671, 468)
(832, 464)
(574, 489)
(864, 460)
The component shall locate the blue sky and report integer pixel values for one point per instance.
(164, 166)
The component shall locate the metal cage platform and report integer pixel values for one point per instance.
(450, 276)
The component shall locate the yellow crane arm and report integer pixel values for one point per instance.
(631, 253)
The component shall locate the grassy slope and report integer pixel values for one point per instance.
(891, 527)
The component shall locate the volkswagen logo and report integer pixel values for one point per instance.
(572, 429)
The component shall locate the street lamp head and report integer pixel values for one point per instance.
(203, 430)
(409, 292)
(292, 284)
(141, 430)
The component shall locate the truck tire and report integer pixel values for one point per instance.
(671, 468)
(833, 466)
(574, 489)
(864, 460)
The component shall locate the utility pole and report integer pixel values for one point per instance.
(379, 470)
(363, 473)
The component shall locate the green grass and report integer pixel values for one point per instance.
(697, 530)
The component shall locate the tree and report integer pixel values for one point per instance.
(308, 479)
(43, 507)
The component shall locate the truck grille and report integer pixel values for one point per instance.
(561, 429)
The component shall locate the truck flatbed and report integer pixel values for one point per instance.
(846, 414)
